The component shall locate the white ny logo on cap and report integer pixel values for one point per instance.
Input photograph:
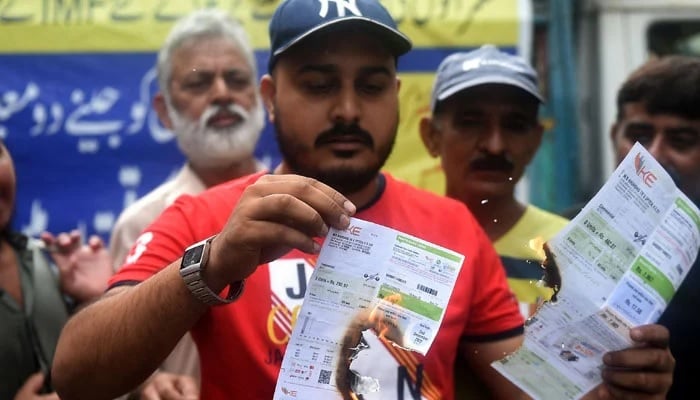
(341, 5)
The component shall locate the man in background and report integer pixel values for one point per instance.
(209, 99)
(42, 282)
(484, 126)
(485, 129)
(659, 107)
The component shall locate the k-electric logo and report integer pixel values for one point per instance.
(643, 172)
(354, 230)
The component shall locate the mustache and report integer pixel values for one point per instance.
(493, 162)
(689, 187)
(351, 132)
(226, 109)
(673, 172)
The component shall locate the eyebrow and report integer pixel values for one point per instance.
(683, 130)
(376, 70)
(673, 130)
(322, 68)
(639, 125)
(209, 72)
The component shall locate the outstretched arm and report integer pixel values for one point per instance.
(114, 344)
(480, 355)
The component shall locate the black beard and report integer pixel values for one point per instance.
(344, 180)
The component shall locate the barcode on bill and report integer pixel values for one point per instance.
(428, 290)
(325, 377)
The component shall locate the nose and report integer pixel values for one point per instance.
(657, 148)
(492, 140)
(221, 92)
(347, 108)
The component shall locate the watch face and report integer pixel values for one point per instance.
(192, 256)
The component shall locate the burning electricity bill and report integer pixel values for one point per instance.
(374, 290)
(620, 262)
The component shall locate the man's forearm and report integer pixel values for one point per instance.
(114, 344)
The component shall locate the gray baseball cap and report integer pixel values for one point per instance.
(486, 65)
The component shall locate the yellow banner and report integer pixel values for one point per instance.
(410, 161)
(44, 26)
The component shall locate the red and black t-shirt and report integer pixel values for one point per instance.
(241, 345)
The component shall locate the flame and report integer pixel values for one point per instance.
(552, 277)
(393, 298)
(380, 322)
(376, 320)
(536, 244)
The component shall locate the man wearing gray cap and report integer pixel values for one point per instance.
(484, 127)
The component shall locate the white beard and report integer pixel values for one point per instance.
(209, 147)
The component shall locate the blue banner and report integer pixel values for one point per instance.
(78, 79)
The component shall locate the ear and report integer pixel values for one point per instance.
(539, 133)
(431, 136)
(161, 109)
(613, 132)
(537, 136)
(267, 92)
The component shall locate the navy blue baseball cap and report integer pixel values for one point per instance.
(485, 65)
(295, 20)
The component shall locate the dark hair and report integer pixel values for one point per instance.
(669, 85)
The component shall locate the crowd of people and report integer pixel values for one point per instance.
(180, 306)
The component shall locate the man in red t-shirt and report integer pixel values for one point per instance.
(245, 249)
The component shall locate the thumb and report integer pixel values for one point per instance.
(33, 383)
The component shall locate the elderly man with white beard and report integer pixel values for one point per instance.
(209, 99)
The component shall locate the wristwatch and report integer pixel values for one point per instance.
(194, 261)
